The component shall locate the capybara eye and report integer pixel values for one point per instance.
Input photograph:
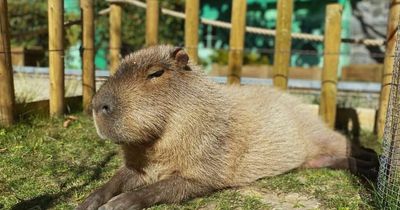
(156, 74)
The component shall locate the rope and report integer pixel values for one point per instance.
(263, 50)
(249, 29)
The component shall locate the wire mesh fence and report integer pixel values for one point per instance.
(389, 173)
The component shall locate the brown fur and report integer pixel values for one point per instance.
(184, 136)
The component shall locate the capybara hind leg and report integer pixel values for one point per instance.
(351, 163)
(360, 167)
(327, 162)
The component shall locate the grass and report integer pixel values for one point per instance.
(46, 166)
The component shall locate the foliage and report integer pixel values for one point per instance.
(28, 24)
(26, 16)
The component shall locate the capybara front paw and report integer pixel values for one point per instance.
(125, 201)
(93, 202)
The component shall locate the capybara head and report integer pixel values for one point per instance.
(134, 104)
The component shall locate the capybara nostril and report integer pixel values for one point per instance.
(104, 104)
(106, 109)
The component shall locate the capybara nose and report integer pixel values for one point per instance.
(104, 106)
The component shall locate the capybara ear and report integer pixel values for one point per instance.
(181, 57)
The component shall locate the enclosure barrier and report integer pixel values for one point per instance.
(389, 173)
(236, 46)
(249, 29)
(393, 21)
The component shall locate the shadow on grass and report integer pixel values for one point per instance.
(46, 201)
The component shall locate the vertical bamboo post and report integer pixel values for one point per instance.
(327, 109)
(192, 28)
(88, 80)
(236, 41)
(115, 36)
(7, 99)
(152, 22)
(391, 35)
(56, 56)
(283, 42)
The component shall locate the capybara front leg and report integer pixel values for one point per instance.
(171, 190)
(122, 180)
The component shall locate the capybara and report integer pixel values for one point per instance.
(183, 135)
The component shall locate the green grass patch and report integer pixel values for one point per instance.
(335, 189)
(46, 166)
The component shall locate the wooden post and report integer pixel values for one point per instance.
(115, 36)
(7, 99)
(391, 35)
(152, 22)
(327, 108)
(236, 41)
(283, 42)
(192, 28)
(88, 77)
(56, 56)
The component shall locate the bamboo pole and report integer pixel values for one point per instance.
(236, 41)
(56, 56)
(152, 14)
(88, 77)
(391, 35)
(283, 42)
(327, 108)
(7, 99)
(192, 28)
(115, 36)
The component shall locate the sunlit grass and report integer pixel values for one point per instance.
(46, 166)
